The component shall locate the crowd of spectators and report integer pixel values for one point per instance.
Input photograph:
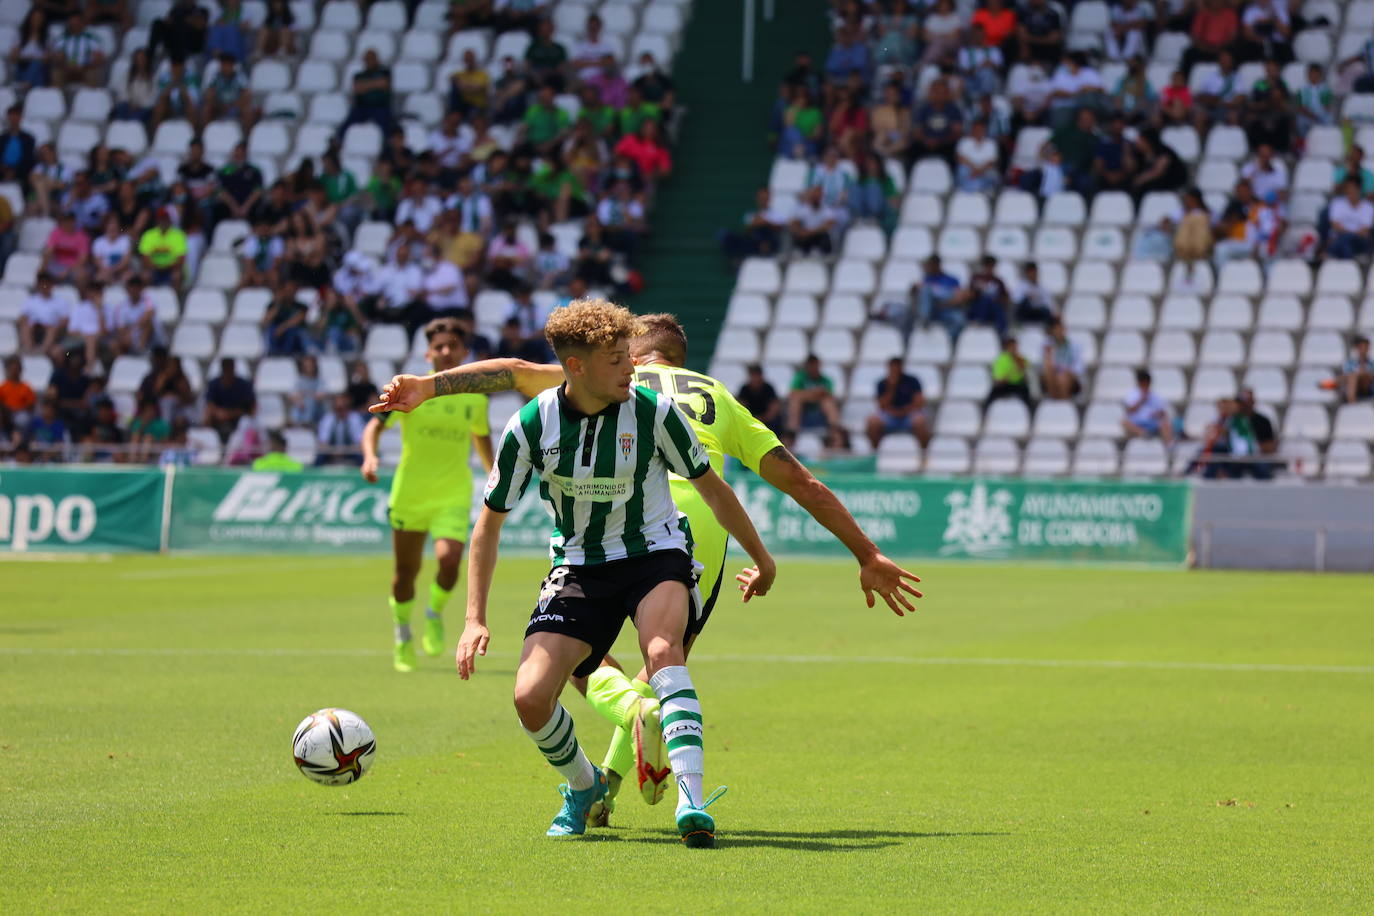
(904, 82)
(563, 135)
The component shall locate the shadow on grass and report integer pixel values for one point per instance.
(366, 814)
(810, 841)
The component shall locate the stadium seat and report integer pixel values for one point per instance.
(126, 373)
(898, 453)
(931, 176)
(1225, 141)
(1007, 243)
(1346, 459)
(341, 15)
(968, 209)
(1339, 278)
(1144, 458)
(1123, 348)
(1181, 313)
(977, 346)
(1321, 348)
(864, 243)
(912, 243)
(1290, 276)
(1104, 243)
(269, 75)
(300, 443)
(240, 341)
(275, 375)
(1045, 458)
(1087, 312)
(1354, 421)
(958, 417)
(843, 311)
(947, 455)
(206, 445)
(1331, 313)
(1095, 457)
(1007, 417)
(1112, 208)
(1230, 313)
(1064, 208)
(785, 345)
(930, 345)
(855, 277)
(1307, 421)
(1221, 348)
(205, 305)
(996, 455)
(1212, 382)
(759, 275)
(1135, 313)
(959, 243)
(796, 310)
(740, 345)
(1093, 277)
(746, 310)
(386, 341)
(1015, 208)
(879, 343)
(1241, 278)
(1102, 419)
(389, 15)
(921, 209)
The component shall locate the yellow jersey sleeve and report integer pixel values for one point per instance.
(481, 421)
(742, 434)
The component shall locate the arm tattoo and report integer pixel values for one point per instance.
(782, 454)
(466, 381)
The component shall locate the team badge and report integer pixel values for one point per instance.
(627, 442)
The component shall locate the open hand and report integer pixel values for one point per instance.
(403, 393)
(472, 644)
(887, 579)
(757, 580)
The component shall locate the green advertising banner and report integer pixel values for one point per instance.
(93, 511)
(222, 509)
(1106, 521)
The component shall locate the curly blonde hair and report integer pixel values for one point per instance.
(589, 324)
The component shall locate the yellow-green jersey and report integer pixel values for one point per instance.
(725, 427)
(723, 424)
(432, 487)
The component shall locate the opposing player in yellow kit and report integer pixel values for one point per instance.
(431, 493)
(725, 427)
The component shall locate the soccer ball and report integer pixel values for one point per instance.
(333, 747)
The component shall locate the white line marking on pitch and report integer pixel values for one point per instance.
(761, 659)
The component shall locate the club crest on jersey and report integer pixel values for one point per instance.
(627, 443)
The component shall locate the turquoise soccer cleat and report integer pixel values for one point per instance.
(572, 820)
(697, 828)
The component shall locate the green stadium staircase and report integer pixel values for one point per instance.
(721, 157)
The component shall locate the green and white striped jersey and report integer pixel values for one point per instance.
(604, 476)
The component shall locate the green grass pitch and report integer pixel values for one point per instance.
(1034, 740)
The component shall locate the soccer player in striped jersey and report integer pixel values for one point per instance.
(601, 451)
(725, 427)
(431, 494)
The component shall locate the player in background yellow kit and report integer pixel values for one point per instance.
(431, 494)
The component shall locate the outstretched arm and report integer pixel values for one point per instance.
(717, 494)
(876, 572)
(372, 436)
(488, 376)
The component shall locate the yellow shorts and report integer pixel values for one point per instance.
(709, 543)
(450, 520)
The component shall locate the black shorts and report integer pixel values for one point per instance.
(591, 603)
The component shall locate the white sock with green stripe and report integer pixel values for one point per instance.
(680, 713)
(558, 743)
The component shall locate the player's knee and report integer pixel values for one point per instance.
(533, 704)
(662, 652)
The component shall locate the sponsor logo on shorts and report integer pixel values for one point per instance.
(547, 618)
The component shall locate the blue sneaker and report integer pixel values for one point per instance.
(572, 820)
(697, 828)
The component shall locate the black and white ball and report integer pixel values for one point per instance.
(333, 747)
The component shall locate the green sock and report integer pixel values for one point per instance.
(620, 756)
(616, 695)
(438, 598)
(400, 613)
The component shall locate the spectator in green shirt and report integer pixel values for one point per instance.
(601, 117)
(383, 191)
(636, 112)
(371, 96)
(164, 248)
(546, 59)
(803, 126)
(811, 403)
(276, 458)
(339, 189)
(147, 431)
(544, 124)
(1009, 374)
